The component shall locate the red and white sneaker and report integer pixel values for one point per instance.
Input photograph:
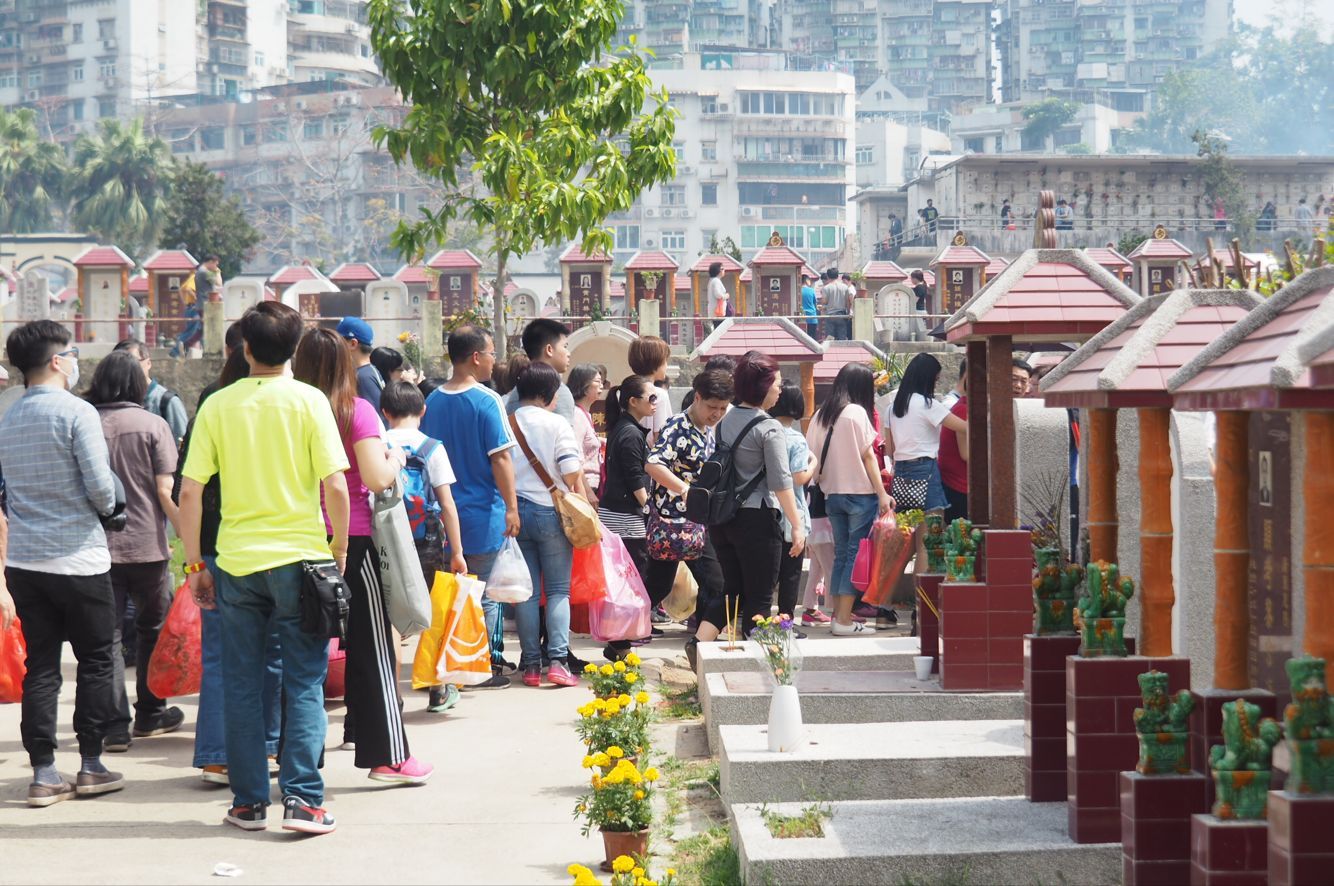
(300, 816)
(813, 617)
(560, 675)
(410, 771)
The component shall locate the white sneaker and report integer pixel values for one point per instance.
(855, 629)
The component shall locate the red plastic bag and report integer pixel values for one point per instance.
(13, 654)
(891, 548)
(335, 679)
(861, 566)
(623, 614)
(588, 578)
(177, 663)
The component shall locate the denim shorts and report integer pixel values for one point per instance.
(925, 469)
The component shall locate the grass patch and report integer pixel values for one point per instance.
(708, 859)
(679, 704)
(679, 777)
(808, 823)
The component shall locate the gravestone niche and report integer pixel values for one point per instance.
(774, 294)
(34, 297)
(1270, 531)
(585, 291)
(894, 302)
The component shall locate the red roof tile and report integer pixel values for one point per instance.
(171, 260)
(683, 283)
(777, 337)
(69, 293)
(777, 255)
(1128, 363)
(651, 260)
(575, 255)
(746, 276)
(961, 255)
(838, 354)
(728, 263)
(1160, 249)
(294, 274)
(454, 260)
(1225, 256)
(1263, 361)
(616, 289)
(139, 284)
(1110, 259)
(355, 272)
(412, 274)
(994, 267)
(104, 257)
(1322, 370)
(888, 271)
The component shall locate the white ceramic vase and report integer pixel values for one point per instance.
(785, 727)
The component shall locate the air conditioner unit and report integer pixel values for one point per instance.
(32, 95)
(109, 44)
(686, 213)
(668, 213)
(650, 242)
(300, 104)
(34, 59)
(748, 210)
(280, 107)
(651, 213)
(722, 108)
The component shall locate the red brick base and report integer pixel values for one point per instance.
(1228, 853)
(982, 624)
(1155, 826)
(1044, 715)
(1301, 839)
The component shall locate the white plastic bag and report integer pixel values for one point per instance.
(405, 591)
(509, 581)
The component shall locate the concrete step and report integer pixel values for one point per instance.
(741, 698)
(829, 654)
(876, 761)
(979, 841)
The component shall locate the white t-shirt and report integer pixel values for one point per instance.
(717, 291)
(439, 472)
(662, 410)
(551, 439)
(917, 434)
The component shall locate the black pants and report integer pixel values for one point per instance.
(789, 579)
(149, 586)
(660, 575)
(749, 548)
(53, 609)
(958, 504)
(372, 677)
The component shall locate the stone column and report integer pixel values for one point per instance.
(215, 328)
(979, 500)
(1004, 510)
(1232, 554)
(1318, 554)
(649, 321)
(863, 319)
(1103, 467)
(1155, 532)
(432, 332)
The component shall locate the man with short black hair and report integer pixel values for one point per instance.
(1020, 373)
(836, 306)
(160, 400)
(58, 484)
(809, 308)
(544, 341)
(360, 340)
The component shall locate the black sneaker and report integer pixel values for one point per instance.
(692, 653)
(575, 663)
(168, 721)
(660, 617)
(118, 743)
(655, 632)
(504, 667)
(305, 819)
(248, 816)
(612, 654)
(497, 681)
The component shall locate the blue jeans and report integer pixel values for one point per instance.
(851, 517)
(210, 745)
(480, 566)
(550, 559)
(251, 608)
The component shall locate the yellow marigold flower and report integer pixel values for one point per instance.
(651, 773)
(633, 659)
(598, 704)
(671, 872)
(596, 780)
(615, 752)
(623, 864)
(587, 880)
(403, 337)
(637, 872)
(575, 870)
(590, 668)
(641, 697)
(588, 762)
(631, 678)
(623, 700)
(619, 667)
(606, 670)
(639, 795)
(601, 759)
(612, 707)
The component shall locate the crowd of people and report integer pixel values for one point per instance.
(493, 444)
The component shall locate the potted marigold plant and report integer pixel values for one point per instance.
(619, 804)
(626, 871)
(612, 680)
(620, 722)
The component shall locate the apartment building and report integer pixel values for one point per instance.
(938, 50)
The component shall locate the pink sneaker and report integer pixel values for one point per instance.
(814, 617)
(410, 771)
(560, 675)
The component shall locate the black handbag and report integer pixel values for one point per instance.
(815, 504)
(909, 495)
(325, 599)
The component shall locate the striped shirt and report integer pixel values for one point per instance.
(57, 476)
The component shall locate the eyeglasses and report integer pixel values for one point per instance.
(72, 352)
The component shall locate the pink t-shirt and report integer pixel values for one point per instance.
(842, 472)
(364, 425)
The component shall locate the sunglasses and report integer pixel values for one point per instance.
(652, 398)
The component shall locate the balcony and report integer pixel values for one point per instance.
(760, 124)
(779, 169)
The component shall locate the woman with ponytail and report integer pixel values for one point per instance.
(626, 488)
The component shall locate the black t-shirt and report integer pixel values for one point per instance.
(922, 294)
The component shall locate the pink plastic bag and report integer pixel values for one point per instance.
(861, 567)
(623, 614)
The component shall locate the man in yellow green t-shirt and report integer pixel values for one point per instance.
(273, 443)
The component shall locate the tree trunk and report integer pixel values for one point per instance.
(498, 308)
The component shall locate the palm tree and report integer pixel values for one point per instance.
(32, 174)
(122, 178)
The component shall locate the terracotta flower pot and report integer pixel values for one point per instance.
(618, 843)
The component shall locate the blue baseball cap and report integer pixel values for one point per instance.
(356, 329)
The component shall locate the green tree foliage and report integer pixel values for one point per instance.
(530, 93)
(121, 181)
(1047, 116)
(32, 174)
(1268, 89)
(725, 246)
(206, 220)
(1221, 179)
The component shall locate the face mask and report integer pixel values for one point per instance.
(71, 377)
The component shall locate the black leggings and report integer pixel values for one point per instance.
(789, 579)
(749, 549)
(372, 676)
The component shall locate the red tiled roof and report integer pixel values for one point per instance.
(838, 354)
(1322, 370)
(412, 274)
(1110, 259)
(777, 255)
(171, 260)
(994, 267)
(575, 255)
(651, 260)
(69, 293)
(1127, 365)
(929, 277)
(355, 272)
(1225, 256)
(294, 274)
(809, 271)
(139, 283)
(884, 270)
(104, 257)
(1259, 364)
(454, 260)
(728, 263)
(1045, 295)
(683, 283)
(746, 276)
(777, 337)
(617, 289)
(1160, 249)
(961, 255)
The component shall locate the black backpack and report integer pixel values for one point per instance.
(716, 495)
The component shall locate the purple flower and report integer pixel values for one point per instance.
(785, 624)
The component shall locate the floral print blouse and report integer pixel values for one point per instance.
(682, 448)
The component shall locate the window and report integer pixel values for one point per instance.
(308, 7)
(275, 132)
(76, 73)
(970, 145)
(708, 104)
(673, 195)
(9, 81)
(1000, 146)
(250, 135)
(708, 151)
(679, 149)
(673, 240)
(182, 141)
(796, 103)
(259, 59)
(340, 125)
(76, 109)
(106, 70)
(34, 78)
(708, 236)
(1066, 136)
(214, 138)
(106, 28)
(627, 236)
(76, 35)
(708, 195)
(106, 107)
(865, 155)
(313, 129)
